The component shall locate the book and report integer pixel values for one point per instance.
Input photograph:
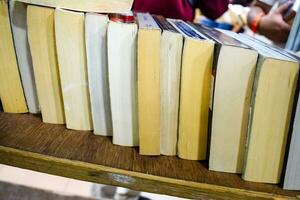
(292, 173)
(121, 51)
(97, 66)
(233, 82)
(19, 29)
(270, 113)
(195, 92)
(293, 42)
(11, 90)
(101, 6)
(41, 40)
(70, 44)
(148, 67)
(170, 69)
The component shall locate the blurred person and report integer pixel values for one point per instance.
(182, 9)
(272, 18)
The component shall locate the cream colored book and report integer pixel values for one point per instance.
(96, 50)
(19, 28)
(271, 106)
(70, 44)
(11, 91)
(43, 51)
(121, 49)
(197, 60)
(170, 60)
(148, 67)
(104, 6)
(231, 100)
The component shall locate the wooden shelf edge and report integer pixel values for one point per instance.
(129, 179)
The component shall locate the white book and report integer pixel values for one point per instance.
(170, 61)
(96, 50)
(121, 46)
(70, 44)
(292, 174)
(19, 29)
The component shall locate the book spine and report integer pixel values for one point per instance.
(164, 24)
(123, 82)
(11, 90)
(69, 34)
(44, 58)
(146, 21)
(19, 29)
(148, 59)
(96, 49)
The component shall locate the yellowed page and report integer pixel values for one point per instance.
(11, 91)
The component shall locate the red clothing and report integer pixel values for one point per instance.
(181, 9)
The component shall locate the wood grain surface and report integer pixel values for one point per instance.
(26, 142)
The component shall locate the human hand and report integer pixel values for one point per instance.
(273, 25)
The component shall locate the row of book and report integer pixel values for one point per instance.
(167, 86)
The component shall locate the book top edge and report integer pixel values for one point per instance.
(186, 30)
(219, 37)
(146, 21)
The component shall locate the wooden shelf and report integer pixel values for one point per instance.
(28, 143)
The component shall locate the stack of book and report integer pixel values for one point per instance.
(165, 85)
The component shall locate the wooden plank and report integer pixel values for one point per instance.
(124, 178)
(28, 143)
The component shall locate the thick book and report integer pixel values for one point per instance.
(233, 82)
(293, 42)
(170, 70)
(97, 66)
(270, 113)
(70, 44)
(195, 92)
(19, 28)
(292, 173)
(148, 67)
(103, 6)
(121, 51)
(11, 91)
(41, 40)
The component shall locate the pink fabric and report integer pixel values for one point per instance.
(178, 9)
(181, 9)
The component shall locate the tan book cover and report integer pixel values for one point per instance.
(271, 106)
(197, 60)
(233, 82)
(11, 91)
(71, 53)
(42, 46)
(148, 67)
